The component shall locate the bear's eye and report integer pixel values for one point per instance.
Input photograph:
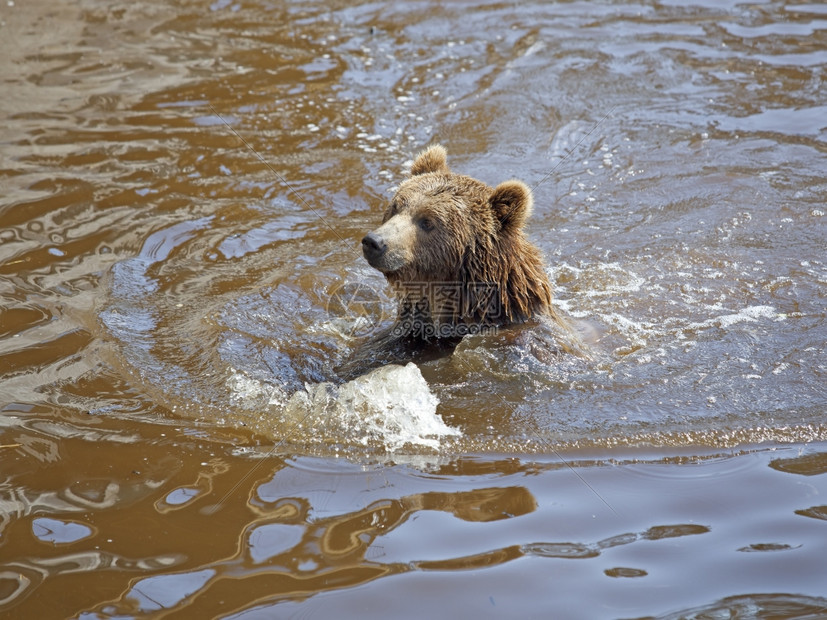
(426, 224)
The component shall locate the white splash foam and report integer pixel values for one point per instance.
(750, 314)
(392, 405)
(252, 394)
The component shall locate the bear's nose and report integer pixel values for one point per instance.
(373, 246)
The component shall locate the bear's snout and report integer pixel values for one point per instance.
(373, 247)
(391, 247)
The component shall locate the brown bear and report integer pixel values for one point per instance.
(455, 252)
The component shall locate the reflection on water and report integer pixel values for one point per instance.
(184, 191)
(59, 532)
(310, 526)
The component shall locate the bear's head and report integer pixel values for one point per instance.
(454, 249)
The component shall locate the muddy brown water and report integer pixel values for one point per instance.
(184, 189)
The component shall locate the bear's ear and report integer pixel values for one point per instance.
(432, 159)
(511, 203)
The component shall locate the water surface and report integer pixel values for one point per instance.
(184, 191)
